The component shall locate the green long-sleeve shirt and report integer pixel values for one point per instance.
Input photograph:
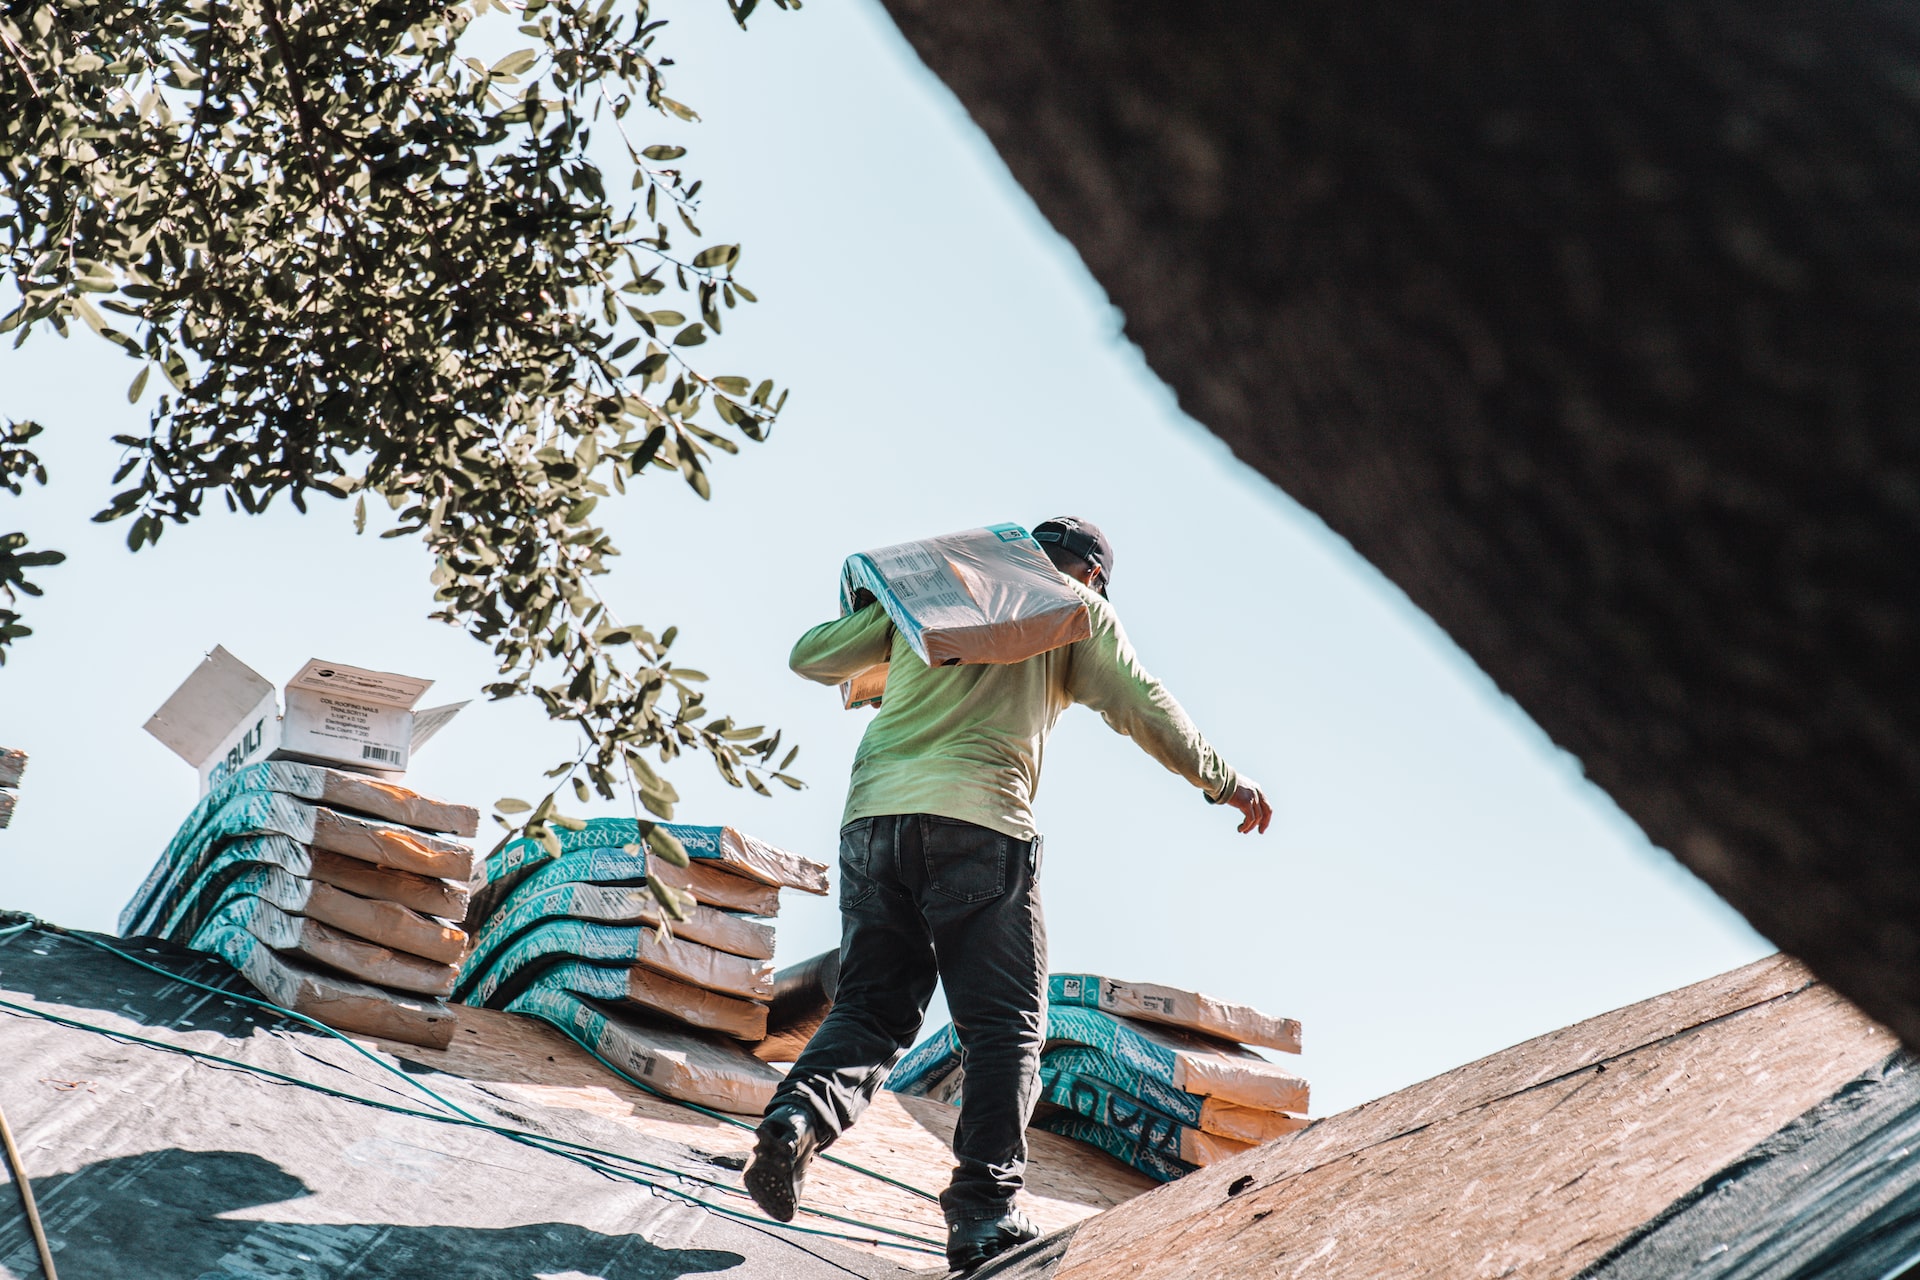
(966, 741)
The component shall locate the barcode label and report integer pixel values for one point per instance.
(383, 754)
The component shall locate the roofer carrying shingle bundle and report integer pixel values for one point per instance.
(939, 871)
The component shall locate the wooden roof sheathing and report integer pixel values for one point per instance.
(1531, 1163)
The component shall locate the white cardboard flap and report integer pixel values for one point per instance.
(381, 687)
(431, 721)
(204, 710)
(254, 737)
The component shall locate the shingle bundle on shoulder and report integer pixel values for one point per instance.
(1159, 1078)
(576, 938)
(335, 893)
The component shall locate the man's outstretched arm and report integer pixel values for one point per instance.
(837, 651)
(1105, 674)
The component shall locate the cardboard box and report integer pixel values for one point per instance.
(978, 596)
(226, 716)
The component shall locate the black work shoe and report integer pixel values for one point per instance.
(971, 1242)
(785, 1142)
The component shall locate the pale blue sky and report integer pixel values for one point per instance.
(1440, 882)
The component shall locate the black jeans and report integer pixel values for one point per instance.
(925, 898)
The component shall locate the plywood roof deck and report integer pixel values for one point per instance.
(1530, 1163)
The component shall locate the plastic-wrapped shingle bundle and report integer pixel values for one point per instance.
(576, 938)
(1160, 1079)
(336, 893)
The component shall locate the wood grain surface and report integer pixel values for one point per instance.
(1529, 1163)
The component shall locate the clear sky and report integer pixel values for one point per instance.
(1441, 882)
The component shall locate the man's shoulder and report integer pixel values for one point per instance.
(1100, 611)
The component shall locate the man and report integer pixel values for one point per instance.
(939, 871)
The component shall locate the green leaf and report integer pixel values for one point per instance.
(406, 267)
(677, 904)
(666, 846)
(511, 805)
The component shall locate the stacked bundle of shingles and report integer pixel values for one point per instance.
(574, 938)
(1159, 1078)
(334, 892)
(12, 765)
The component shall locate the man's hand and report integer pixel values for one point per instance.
(1252, 803)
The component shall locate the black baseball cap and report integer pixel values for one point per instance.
(1080, 538)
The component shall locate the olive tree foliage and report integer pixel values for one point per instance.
(363, 262)
(18, 464)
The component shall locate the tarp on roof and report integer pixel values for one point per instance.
(151, 1164)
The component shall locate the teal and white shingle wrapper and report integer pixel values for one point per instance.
(1210, 1115)
(1116, 1144)
(1092, 1064)
(977, 596)
(652, 994)
(738, 852)
(582, 924)
(1172, 1007)
(1152, 1096)
(1096, 1100)
(257, 812)
(1210, 1070)
(423, 894)
(311, 782)
(684, 1065)
(614, 865)
(338, 1001)
(397, 926)
(612, 904)
(537, 905)
(324, 945)
(613, 944)
(347, 909)
(201, 897)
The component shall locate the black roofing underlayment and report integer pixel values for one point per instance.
(1835, 1195)
(149, 1164)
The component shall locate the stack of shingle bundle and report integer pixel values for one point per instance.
(1159, 1078)
(334, 892)
(575, 938)
(12, 765)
